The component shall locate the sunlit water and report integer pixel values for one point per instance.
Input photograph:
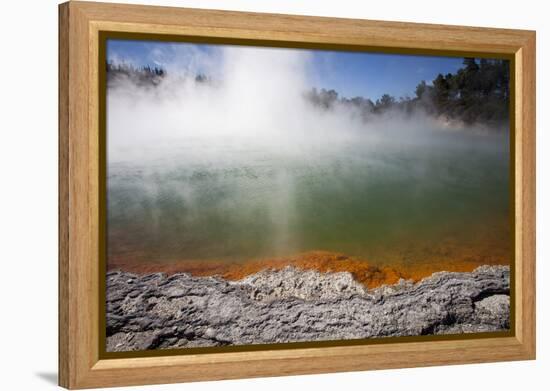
(385, 201)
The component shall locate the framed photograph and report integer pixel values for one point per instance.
(247, 195)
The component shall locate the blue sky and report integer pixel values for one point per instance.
(349, 73)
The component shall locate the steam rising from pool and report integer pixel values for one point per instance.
(243, 166)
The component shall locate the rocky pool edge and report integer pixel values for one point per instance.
(160, 311)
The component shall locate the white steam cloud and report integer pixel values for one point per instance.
(255, 96)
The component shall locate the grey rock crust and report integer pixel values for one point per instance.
(157, 311)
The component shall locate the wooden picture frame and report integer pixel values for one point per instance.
(81, 364)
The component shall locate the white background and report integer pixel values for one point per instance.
(28, 196)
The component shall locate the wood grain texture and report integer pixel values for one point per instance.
(80, 365)
(63, 200)
(526, 122)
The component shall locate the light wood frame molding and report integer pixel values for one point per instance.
(80, 364)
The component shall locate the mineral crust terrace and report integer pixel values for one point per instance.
(160, 311)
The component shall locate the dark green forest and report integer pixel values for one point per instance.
(478, 92)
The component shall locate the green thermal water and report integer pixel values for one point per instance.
(239, 203)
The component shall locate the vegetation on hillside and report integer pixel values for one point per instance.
(479, 92)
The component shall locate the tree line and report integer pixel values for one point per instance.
(142, 76)
(478, 92)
